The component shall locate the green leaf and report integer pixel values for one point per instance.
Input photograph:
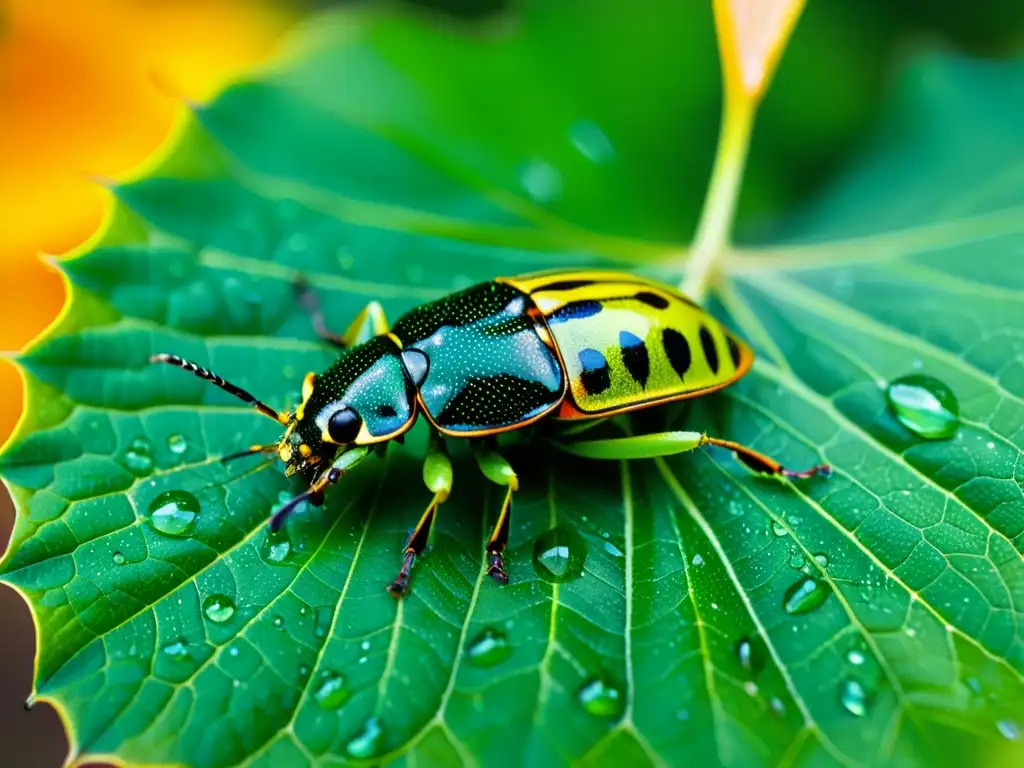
(395, 160)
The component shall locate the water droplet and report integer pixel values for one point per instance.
(697, 560)
(365, 645)
(777, 706)
(218, 608)
(591, 142)
(278, 622)
(854, 698)
(779, 529)
(744, 652)
(332, 690)
(805, 595)
(924, 405)
(322, 620)
(276, 547)
(856, 657)
(613, 550)
(119, 559)
(177, 650)
(488, 648)
(821, 559)
(796, 559)
(558, 555)
(364, 744)
(177, 444)
(750, 688)
(541, 181)
(138, 459)
(1009, 729)
(174, 513)
(601, 698)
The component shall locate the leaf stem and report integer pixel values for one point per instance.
(713, 231)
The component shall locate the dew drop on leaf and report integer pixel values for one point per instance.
(856, 657)
(805, 595)
(218, 608)
(177, 650)
(118, 558)
(613, 550)
(541, 181)
(278, 622)
(177, 444)
(365, 743)
(924, 405)
(744, 652)
(488, 648)
(138, 459)
(796, 559)
(821, 559)
(779, 529)
(854, 698)
(332, 690)
(1009, 729)
(591, 141)
(601, 698)
(174, 513)
(322, 620)
(558, 555)
(777, 706)
(276, 548)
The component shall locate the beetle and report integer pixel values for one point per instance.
(576, 346)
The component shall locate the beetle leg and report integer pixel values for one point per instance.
(437, 474)
(670, 443)
(497, 470)
(370, 322)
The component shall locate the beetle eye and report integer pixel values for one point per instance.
(344, 424)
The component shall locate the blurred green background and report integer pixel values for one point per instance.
(818, 115)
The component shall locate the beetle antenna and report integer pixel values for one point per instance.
(251, 451)
(227, 386)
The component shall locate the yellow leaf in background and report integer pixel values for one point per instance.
(91, 89)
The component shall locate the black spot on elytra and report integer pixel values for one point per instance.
(387, 412)
(734, 351)
(563, 285)
(652, 299)
(595, 377)
(635, 357)
(678, 350)
(707, 343)
(575, 310)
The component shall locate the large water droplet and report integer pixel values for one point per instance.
(1009, 729)
(779, 529)
(332, 690)
(591, 142)
(138, 459)
(174, 513)
(558, 555)
(365, 743)
(805, 595)
(924, 405)
(541, 181)
(601, 698)
(488, 648)
(854, 698)
(218, 608)
(177, 444)
(119, 559)
(856, 657)
(276, 547)
(177, 650)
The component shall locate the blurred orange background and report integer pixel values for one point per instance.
(87, 91)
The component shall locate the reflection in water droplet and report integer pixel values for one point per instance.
(119, 559)
(365, 743)
(856, 657)
(276, 547)
(744, 653)
(854, 698)
(174, 513)
(779, 529)
(1009, 729)
(924, 405)
(697, 560)
(278, 622)
(331, 691)
(613, 550)
(591, 142)
(488, 648)
(138, 459)
(805, 595)
(218, 608)
(821, 559)
(541, 181)
(601, 698)
(177, 444)
(558, 555)
(177, 650)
